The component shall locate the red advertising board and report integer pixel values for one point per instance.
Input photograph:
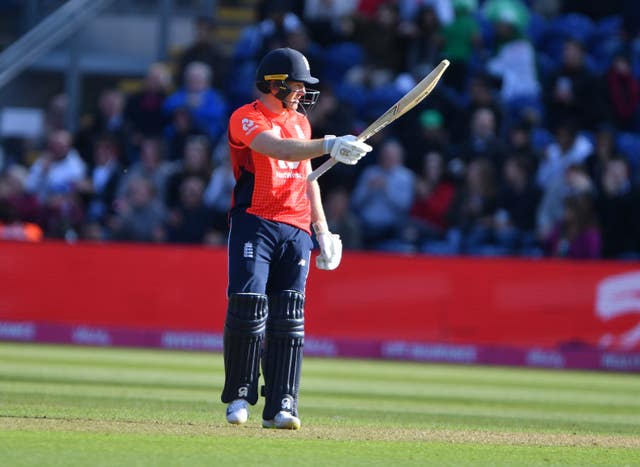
(391, 304)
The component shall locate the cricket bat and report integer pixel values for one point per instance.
(406, 103)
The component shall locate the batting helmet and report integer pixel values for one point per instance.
(282, 65)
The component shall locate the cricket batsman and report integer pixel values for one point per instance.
(274, 208)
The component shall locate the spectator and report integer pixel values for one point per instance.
(574, 92)
(604, 149)
(323, 18)
(109, 119)
(206, 49)
(617, 207)
(58, 168)
(518, 199)
(22, 205)
(574, 181)
(140, 216)
(514, 63)
(205, 104)
(433, 197)
(461, 39)
(383, 196)
(219, 192)
(99, 187)
(341, 220)
(382, 43)
(623, 91)
(13, 228)
(195, 163)
(62, 215)
(430, 136)
(483, 141)
(189, 220)
(569, 148)
(473, 209)
(425, 41)
(151, 166)
(577, 235)
(144, 109)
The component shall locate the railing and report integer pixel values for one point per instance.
(50, 32)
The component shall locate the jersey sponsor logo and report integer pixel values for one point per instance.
(248, 250)
(288, 164)
(248, 125)
(243, 392)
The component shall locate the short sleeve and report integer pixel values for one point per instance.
(245, 124)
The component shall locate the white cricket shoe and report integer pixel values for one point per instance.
(238, 412)
(283, 421)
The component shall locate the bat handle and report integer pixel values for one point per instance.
(322, 169)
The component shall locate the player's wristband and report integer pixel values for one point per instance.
(327, 145)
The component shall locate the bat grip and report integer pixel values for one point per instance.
(322, 169)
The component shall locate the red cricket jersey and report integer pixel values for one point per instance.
(266, 187)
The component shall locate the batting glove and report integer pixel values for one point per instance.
(346, 149)
(330, 247)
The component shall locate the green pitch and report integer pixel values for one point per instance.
(85, 406)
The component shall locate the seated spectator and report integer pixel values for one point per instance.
(62, 214)
(430, 136)
(473, 209)
(219, 191)
(99, 188)
(179, 130)
(206, 49)
(623, 91)
(382, 43)
(575, 181)
(483, 141)
(12, 228)
(574, 92)
(577, 235)
(206, 104)
(144, 109)
(59, 167)
(514, 63)
(195, 163)
(22, 204)
(108, 119)
(341, 220)
(569, 148)
(617, 207)
(323, 18)
(461, 39)
(140, 216)
(424, 40)
(151, 166)
(189, 219)
(433, 197)
(383, 196)
(518, 199)
(604, 149)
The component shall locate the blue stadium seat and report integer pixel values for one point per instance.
(628, 144)
(342, 57)
(541, 138)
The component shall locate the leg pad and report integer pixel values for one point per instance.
(282, 358)
(243, 335)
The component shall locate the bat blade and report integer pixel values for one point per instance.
(406, 103)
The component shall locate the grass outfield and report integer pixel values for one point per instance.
(95, 406)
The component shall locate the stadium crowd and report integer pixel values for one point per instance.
(530, 145)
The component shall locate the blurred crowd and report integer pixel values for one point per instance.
(529, 146)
